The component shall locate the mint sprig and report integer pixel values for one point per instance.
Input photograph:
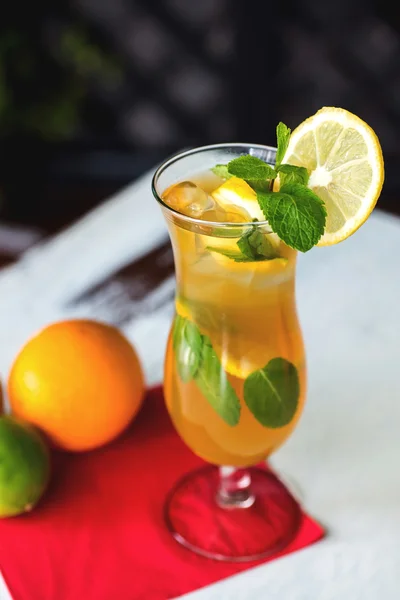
(196, 360)
(256, 245)
(213, 382)
(187, 343)
(235, 255)
(292, 174)
(282, 137)
(250, 168)
(295, 213)
(272, 393)
(252, 246)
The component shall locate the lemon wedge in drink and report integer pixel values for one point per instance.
(237, 198)
(344, 159)
(236, 192)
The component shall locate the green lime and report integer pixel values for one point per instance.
(24, 466)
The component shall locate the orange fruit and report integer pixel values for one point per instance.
(79, 381)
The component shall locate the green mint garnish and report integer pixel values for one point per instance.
(260, 185)
(235, 255)
(250, 168)
(221, 171)
(292, 174)
(282, 136)
(215, 387)
(187, 343)
(272, 393)
(252, 246)
(296, 214)
(256, 246)
(196, 360)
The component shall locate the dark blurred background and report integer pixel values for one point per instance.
(95, 92)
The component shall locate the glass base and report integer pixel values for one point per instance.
(198, 521)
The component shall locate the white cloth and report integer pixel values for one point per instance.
(343, 454)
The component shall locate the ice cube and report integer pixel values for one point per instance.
(189, 199)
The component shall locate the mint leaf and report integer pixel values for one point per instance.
(187, 343)
(246, 247)
(235, 255)
(292, 174)
(215, 387)
(196, 359)
(221, 171)
(282, 138)
(295, 214)
(252, 246)
(250, 168)
(272, 393)
(255, 245)
(260, 185)
(262, 245)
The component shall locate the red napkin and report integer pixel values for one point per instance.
(99, 533)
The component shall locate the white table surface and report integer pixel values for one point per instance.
(344, 454)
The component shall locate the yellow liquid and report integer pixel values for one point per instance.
(248, 311)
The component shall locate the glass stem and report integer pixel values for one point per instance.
(234, 488)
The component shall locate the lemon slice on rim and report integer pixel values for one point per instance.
(344, 159)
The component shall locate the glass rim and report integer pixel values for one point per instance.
(198, 150)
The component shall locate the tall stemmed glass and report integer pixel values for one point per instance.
(235, 375)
